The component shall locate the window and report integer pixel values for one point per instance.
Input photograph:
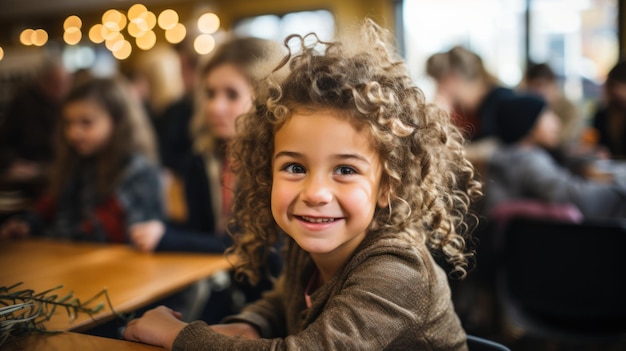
(578, 38)
(491, 28)
(278, 27)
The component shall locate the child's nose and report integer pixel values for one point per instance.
(217, 105)
(317, 191)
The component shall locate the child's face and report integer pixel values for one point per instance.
(546, 130)
(542, 86)
(227, 94)
(326, 184)
(87, 127)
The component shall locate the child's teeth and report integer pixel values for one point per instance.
(317, 220)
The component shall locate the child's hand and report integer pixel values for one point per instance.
(15, 228)
(146, 235)
(23, 170)
(159, 326)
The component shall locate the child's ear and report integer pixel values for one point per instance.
(384, 195)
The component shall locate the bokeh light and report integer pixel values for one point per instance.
(167, 19)
(114, 20)
(112, 43)
(39, 37)
(135, 11)
(72, 21)
(146, 41)
(208, 23)
(72, 36)
(26, 37)
(145, 21)
(204, 44)
(134, 30)
(124, 50)
(108, 33)
(176, 34)
(151, 19)
(1, 53)
(95, 33)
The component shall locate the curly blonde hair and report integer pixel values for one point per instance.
(430, 182)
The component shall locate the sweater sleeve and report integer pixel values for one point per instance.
(382, 306)
(140, 193)
(198, 336)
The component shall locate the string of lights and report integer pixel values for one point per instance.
(119, 29)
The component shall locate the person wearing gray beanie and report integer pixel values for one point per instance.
(517, 116)
(523, 170)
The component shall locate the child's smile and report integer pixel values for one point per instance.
(326, 183)
(317, 223)
(317, 220)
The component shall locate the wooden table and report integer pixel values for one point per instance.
(132, 279)
(73, 341)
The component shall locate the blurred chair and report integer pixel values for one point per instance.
(563, 281)
(475, 343)
(474, 297)
(174, 195)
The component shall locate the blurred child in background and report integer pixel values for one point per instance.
(104, 184)
(540, 79)
(27, 130)
(524, 170)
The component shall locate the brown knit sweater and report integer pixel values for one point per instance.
(388, 296)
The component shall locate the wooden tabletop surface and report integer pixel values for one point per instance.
(68, 341)
(132, 279)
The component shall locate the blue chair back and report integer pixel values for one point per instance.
(476, 343)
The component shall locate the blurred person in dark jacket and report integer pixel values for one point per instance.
(469, 90)
(26, 134)
(610, 118)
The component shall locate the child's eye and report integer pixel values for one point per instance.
(293, 168)
(232, 94)
(345, 170)
(86, 122)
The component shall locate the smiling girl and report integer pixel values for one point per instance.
(366, 182)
